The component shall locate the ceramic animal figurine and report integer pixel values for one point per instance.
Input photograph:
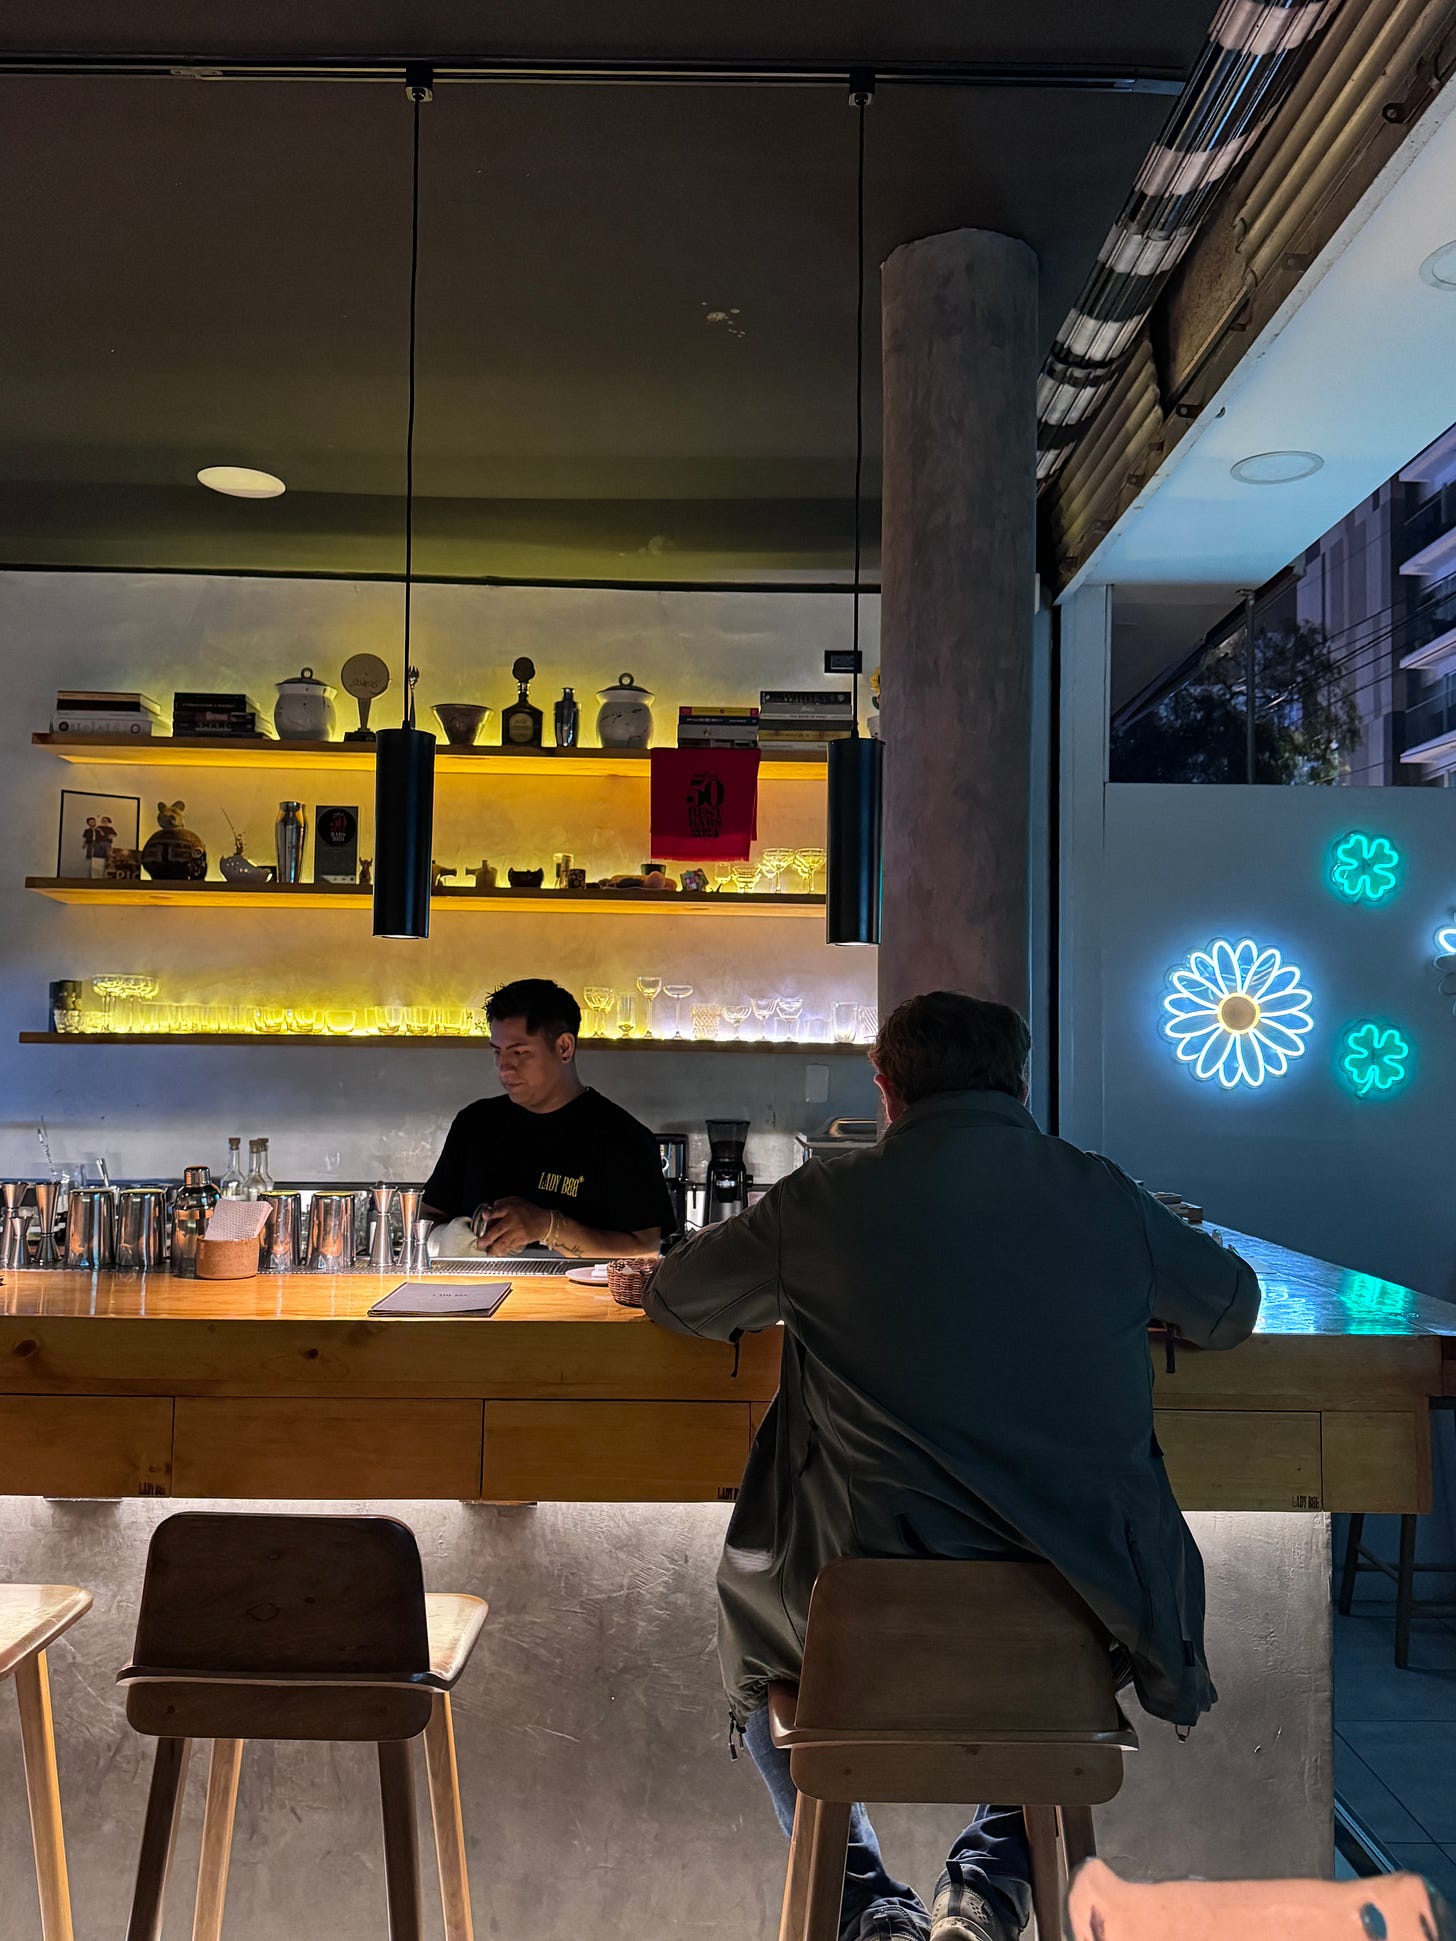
(366, 872)
(172, 854)
(440, 872)
(525, 879)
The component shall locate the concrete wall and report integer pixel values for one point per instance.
(364, 1113)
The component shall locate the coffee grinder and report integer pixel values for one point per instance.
(728, 1180)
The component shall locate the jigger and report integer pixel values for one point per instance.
(47, 1192)
(381, 1246)
(14, 1224)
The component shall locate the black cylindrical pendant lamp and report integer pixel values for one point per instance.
(856, 785)
(404, 820)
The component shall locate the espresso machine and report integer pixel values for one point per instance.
(728, 1181)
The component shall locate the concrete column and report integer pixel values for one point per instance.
(958, 562)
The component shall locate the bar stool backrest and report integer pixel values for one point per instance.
(919, 1676)
(258, 1626)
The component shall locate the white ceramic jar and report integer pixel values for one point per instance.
(624, 720)
(304, 710)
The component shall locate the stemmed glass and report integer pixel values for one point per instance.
(789, 1009)
(599, 1002)
(808, 863)
(773, 863)
(650, 988)
(677, 992)
(735, 1016)
(763, 1008)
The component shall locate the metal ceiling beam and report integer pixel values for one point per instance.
(560, 71)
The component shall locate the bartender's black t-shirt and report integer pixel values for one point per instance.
(589, 1160)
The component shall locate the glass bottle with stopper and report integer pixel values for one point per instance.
(366, 677)
(521, 721)
(259, 1180)
(231, 1183)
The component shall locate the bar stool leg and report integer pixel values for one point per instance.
(1046, 1870)
(443, 1775)
(43, 1794)
(217, 1838)
(828, 1856)
(159, 1839)
(401, 1848)
(1405, 1589)
(796, 1880)
(1351, 1570)
(1079, 1842)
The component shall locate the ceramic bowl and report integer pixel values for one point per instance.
(462, 722)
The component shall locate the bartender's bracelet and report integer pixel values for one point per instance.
(551, 1230)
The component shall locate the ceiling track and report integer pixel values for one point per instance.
(549, 71)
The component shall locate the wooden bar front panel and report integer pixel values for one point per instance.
(614, 1452)
(1241, 1460)
(98, 1445)
(324, 1449)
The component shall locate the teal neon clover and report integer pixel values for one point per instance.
(1373, 1058)
(1364, 867)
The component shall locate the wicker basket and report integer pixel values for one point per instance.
(627, 1281)
(227, 1260)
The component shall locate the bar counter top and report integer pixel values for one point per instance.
(283, 1386)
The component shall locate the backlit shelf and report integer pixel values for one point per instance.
(349, 1041)
(340, 757)
(324, 896)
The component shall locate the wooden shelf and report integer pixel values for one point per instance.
(583, 764)
(324, 896)
(261, 1040)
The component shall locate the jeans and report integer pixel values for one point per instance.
(990, 1858)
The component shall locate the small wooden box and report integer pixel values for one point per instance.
(227, 1260)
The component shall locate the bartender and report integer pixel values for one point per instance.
(551, 1162)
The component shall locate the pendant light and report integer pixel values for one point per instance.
(856, 764)
(404, 757)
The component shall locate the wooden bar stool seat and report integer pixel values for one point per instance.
(931, 1682)
(297, 1627)
(32, 1617)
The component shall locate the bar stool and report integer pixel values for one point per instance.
(1402, 1573)
(32, 1617)
(296, 1627)
(935, 1681)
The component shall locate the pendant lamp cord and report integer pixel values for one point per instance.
(419, 86)
(861, 94)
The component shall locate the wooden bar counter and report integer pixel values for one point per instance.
(123, 1385)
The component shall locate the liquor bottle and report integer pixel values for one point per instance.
(231, 1183)
(521, 721)
(260, 1180)
(567, 719)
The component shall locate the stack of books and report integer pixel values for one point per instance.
(221, 717)
(802, 720)
(104, 711)
(717, 727)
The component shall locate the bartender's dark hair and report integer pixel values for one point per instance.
(945, 1041)
(545, 1006)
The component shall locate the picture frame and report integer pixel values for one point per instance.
(92, 827)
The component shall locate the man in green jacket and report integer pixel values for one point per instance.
(965, 1374)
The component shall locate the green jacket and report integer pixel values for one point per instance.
(966, 1373)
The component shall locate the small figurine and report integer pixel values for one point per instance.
(236, 868)
(485, 874)
(440, 873)
(366, 872)
(525, 879)
(172, 854)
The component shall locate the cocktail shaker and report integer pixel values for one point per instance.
(141, 1225)
(381, 1243)
(47, 1192)
(289, 829)
(278, 1249)
(91, 1227)
(191, 1211)
(331, 1233)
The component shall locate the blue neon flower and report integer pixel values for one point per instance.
(1365, 867)
(1237, 1013)
(1373, 1058)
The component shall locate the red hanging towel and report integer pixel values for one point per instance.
(704, 804)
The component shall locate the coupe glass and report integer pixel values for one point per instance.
(789, 1009)
(600, 1002)
(808, 863)
(773, 863)
(735, 1016)
(677, 992)
(650, 987)
(846, 1020)
(764, 1010)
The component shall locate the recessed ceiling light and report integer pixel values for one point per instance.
(240, 482)
(1275, 468)
(1439, 268)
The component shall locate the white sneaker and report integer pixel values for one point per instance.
(973, 1919)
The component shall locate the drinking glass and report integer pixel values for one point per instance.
(306, 1018)
(867, 1024)
(773, 863)
(677, 992)
(342, 1022)
(846, 1021)
(274, 1017)
(764, 1008)
(808, 863)
(789, 1009)
(417, 1020)
(394, 1020)
(725, 877)
(599, 1003)
(626, 1015)
(735, 1016)
(813, 1031)
(650, 987)
(705, 1021)
(746, 878)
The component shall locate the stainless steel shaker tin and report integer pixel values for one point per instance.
(279, 1247)
(141, 1227)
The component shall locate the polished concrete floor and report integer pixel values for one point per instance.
(1395, 1736)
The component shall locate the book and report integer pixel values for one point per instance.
(717, 714)
(101, 701)
(429, 1297)
(118, 727)
(805, 731)
(804, 700)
